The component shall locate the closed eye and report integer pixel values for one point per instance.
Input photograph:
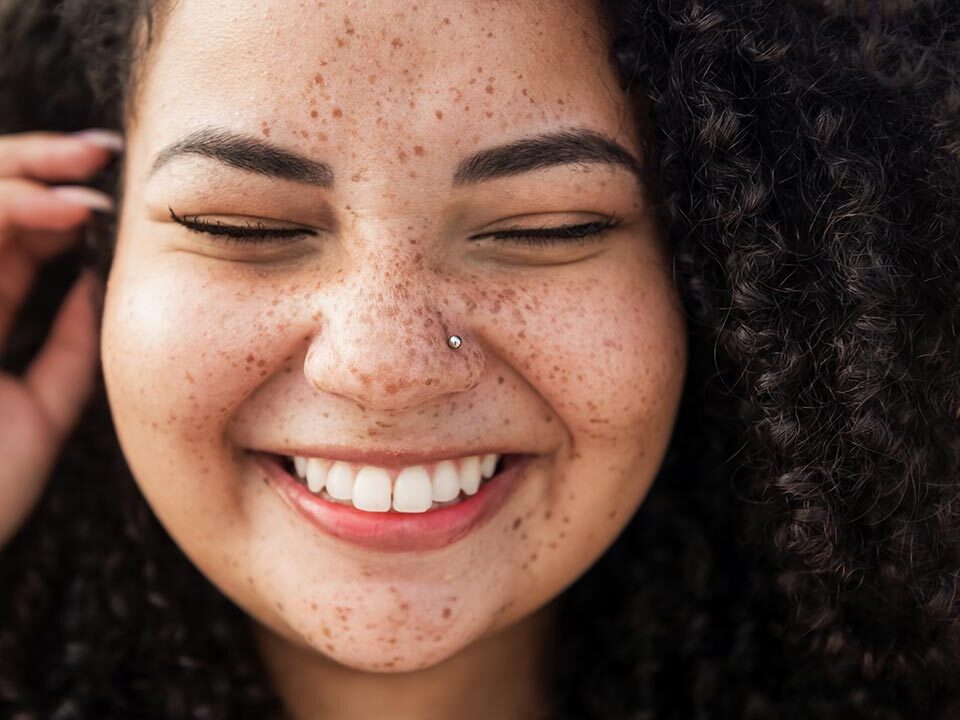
(558, 234)
(258, 233)
(253, 232)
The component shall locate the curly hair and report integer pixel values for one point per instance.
(799, 553)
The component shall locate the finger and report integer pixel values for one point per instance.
(23, 250)
(18, 270)
(27, 457)
(34, 206)
(56, 156)
(38, 246)
(61, 376)
(45, 244)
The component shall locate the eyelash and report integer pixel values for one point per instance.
(538, 237)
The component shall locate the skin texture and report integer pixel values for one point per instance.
(574, 353)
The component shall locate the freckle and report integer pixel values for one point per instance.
(314, 114)
(397, 42)
(317, 79)
(446, 612)
(337, 112)
(265, 129)
(566, 519)
(439, 114)
(489, 89)
(418, 150)
(548, 514)
(516, 523)
(499, 380)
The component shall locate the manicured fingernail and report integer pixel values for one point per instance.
(109, 139)
(86, 196)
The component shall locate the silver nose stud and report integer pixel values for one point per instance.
(454, 341)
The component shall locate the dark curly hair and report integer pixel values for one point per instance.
(797, 556)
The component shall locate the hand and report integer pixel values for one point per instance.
(39, 410)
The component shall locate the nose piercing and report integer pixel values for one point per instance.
(454, 341)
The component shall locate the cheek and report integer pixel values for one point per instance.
(183, 346)
(606, 351)
(181, 350)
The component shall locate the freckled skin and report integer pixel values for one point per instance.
(575, 353)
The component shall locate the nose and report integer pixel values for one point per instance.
(384, 344)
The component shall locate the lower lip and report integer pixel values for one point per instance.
(395, 531)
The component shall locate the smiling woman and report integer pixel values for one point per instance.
(323, 238)
(545, 359)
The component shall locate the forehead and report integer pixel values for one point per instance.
(326, 71)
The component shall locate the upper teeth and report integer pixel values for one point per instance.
(409, 489)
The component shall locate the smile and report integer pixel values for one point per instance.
(412, 489)
(476, 491)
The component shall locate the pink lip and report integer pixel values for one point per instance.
(395, 531)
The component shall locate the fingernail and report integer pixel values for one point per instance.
(109, 139)
(86, 196)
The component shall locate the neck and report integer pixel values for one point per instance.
(502, 676)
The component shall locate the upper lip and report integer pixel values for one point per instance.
(385, 458)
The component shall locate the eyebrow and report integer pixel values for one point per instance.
(579, 145)
(246, 152)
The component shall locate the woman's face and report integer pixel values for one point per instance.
(332, 343)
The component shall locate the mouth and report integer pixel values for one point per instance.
(414, 508)
(411, 489)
